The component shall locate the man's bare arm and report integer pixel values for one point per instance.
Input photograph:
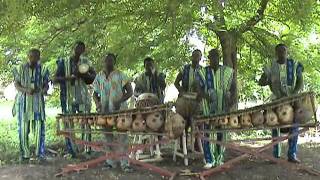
(177, 82)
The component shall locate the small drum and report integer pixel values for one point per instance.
(139, 124)
(155, 121)
(83, 68)
(147, 100)
(174, 125)
(187, 105)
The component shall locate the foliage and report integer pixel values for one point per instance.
(161, 29)
(9, 139)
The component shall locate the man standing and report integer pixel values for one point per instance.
(187, 78)
(31, 81)
(215, 84)
(185, 81)
(74, 93)
(150, 81)
(284, 77)
(112, 89)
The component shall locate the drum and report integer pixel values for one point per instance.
(155, 121)
(257, 118)
(245, 120)
(147, 100)
(124, 122)
(175, 125)
(187, 105)
(271, 118)
(285, 114)
(101, 121)
(234, 122)
(139, 124)
(83, 68)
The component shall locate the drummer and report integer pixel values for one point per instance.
(185, 81)
(284, 77)
(74, 92)
(112, 88)
(215, 84)
(150, 81)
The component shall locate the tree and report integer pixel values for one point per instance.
(246, 31)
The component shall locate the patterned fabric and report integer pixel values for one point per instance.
(282, 79)
(74, 95)
(110, 89)
(31, 108)
(216, 84)
(147, 84)
(189, 75)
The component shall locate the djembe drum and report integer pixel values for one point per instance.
(175, 125)
(187, 105)
(147, 100)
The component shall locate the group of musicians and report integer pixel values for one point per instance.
(112, 88)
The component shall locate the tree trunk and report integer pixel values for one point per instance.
(228, 41)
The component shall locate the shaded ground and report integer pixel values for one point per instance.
(248, 169)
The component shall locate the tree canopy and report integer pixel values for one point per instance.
(245, 32)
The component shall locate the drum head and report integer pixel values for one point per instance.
(147, 100)
(83, 68)
(146, 96)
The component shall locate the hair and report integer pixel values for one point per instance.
(148, 59)
(111, 55)
(34, 51)
(80, 43)
(214, 52)
(280, 45)
(197, 50)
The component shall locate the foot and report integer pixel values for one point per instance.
(107, 166)
(208, 166)
(294, 160)
(127, 169)
(24, 160)
(69, 156)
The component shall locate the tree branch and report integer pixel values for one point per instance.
(220, 22)
(255, 19)
(57, 31)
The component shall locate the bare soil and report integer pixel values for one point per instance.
(250, 169)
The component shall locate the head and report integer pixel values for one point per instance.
(281, 52)
(34, 56)
(148, 65)
(79, 48)
(196, 56)
(110, 61)
(214, 57)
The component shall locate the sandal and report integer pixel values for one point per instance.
(127, 169)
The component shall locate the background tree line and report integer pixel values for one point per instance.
(245, 32)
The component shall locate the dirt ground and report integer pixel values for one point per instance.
(253, 169)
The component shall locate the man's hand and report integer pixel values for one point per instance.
(70, 78)
(29, 91)
(98, 107)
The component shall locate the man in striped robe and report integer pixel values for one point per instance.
(186, 82)
(150, 81)
(215, 84)
(74, 89)
(284, 77)
(31, 80)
